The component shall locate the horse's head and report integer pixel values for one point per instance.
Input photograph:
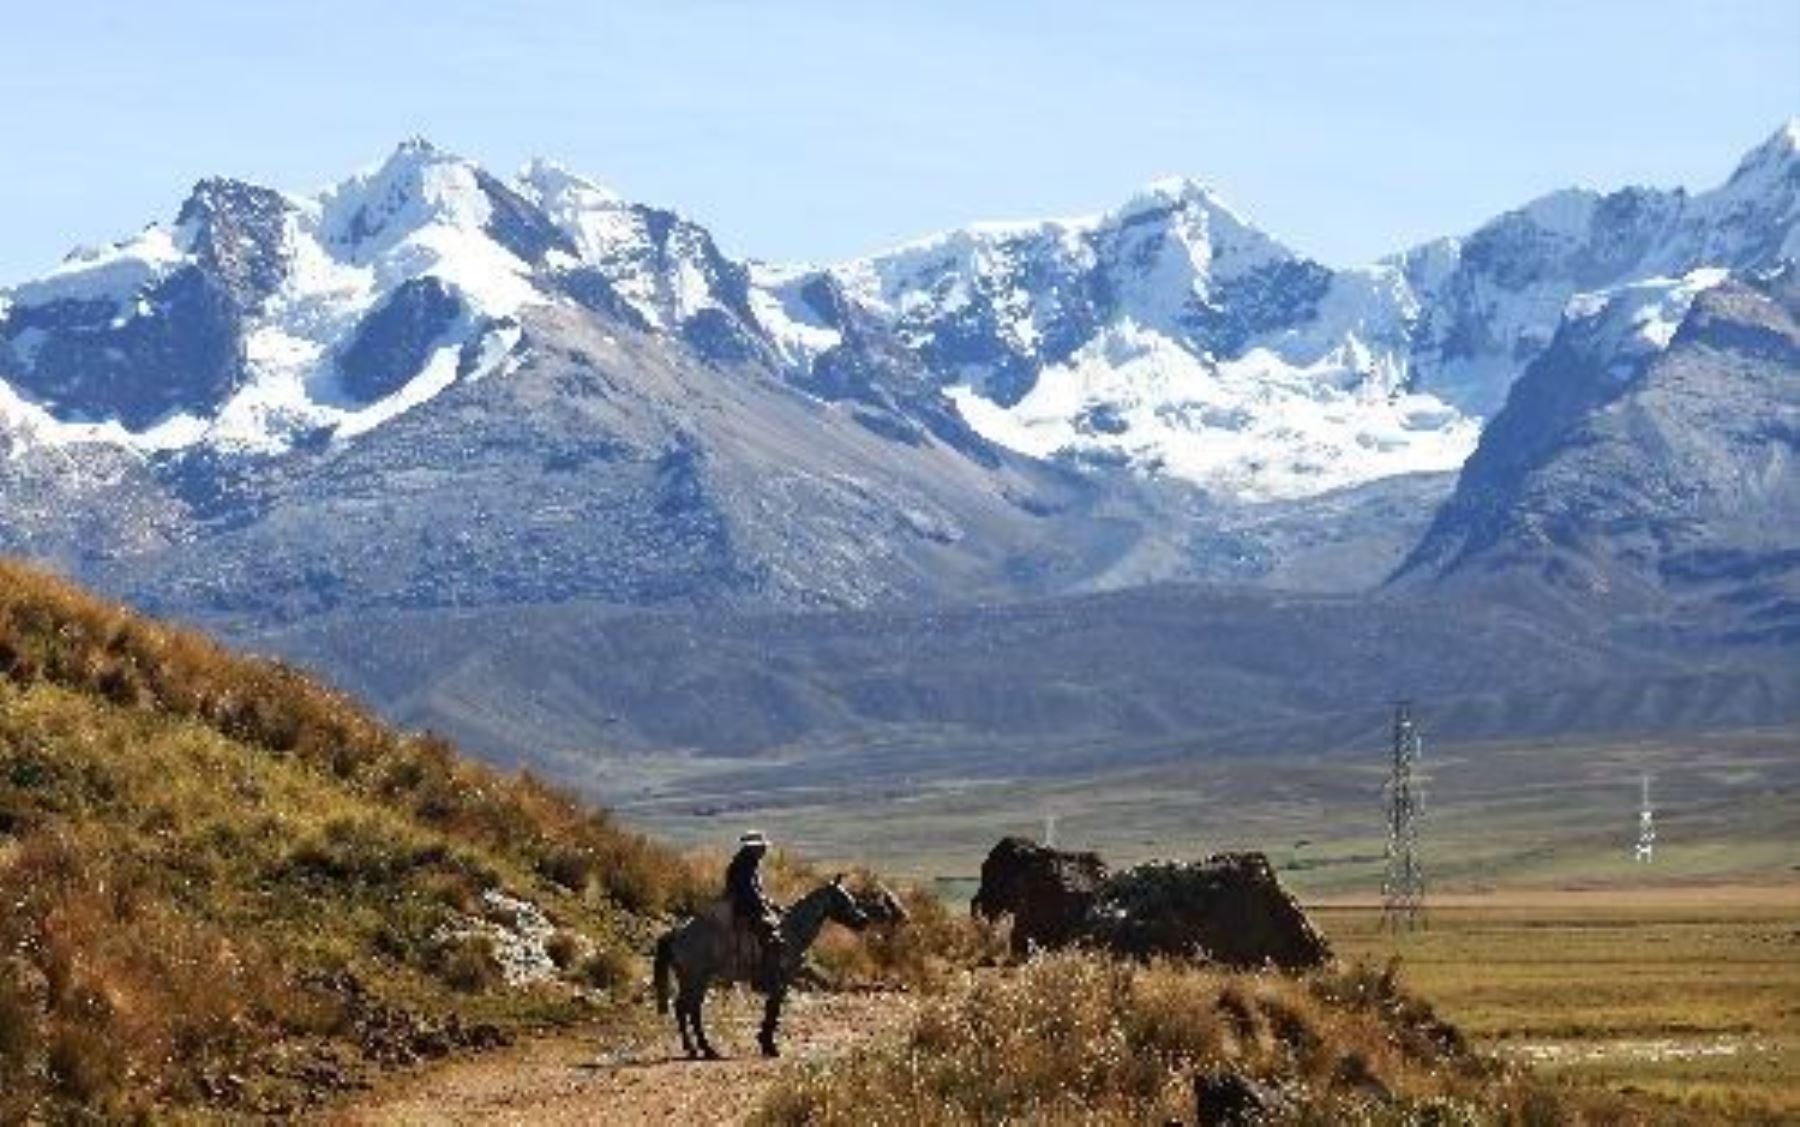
(841, 906)
(881, 905)
(1002, 876)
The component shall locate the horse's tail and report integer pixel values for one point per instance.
(665, 954)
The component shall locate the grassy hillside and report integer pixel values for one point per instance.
(230, 889)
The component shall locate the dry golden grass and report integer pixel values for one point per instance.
(925, 954)
(1690, 996)
(229, 887)
(52, 633)
(1080, 1038)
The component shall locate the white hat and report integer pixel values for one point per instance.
(753, 837)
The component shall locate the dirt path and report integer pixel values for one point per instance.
(640, 1079)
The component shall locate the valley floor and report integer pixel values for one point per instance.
(1682, 995)
(1554, 814)
(1687, 994)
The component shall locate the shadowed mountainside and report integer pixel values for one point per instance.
(1038, 687)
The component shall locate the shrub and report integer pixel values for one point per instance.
(564, 948)
(1080, 1038)
(570, 868)
(19, 1046)
(608, 968)
(469, 963)
(82, 1066)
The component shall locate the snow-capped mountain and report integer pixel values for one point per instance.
(425, 387)
(1650, 456)
(1490, 303)
(1173, 336)
(1169, 335)
(392, 388)
(259, 319)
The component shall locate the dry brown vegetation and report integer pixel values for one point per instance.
(925, 954)
(1686, 996)
(228, 886)
(1081, 1038)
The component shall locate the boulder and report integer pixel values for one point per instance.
(1229, 909)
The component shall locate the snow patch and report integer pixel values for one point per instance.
(116, 273)
(38, 427)
(1257, 427)
(1639, 320)
(799, 336)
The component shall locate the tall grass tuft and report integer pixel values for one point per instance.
(1081, 1038)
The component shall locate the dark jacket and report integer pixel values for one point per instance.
(743, 886)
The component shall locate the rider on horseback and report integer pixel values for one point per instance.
(751, 908)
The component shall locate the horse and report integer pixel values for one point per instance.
(1049, 893)
(712, 947)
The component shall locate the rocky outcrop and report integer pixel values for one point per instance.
(1228, 909)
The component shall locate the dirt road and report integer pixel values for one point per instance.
(641, 1079)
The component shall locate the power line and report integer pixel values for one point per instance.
(1645, 850)
(1403, 884)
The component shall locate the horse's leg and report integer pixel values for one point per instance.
(680, 1008)
(771, 1021)
(696, 1007)
(681, 1023)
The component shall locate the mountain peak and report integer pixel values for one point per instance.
(417, 184)
(419, 152)
(1174, 193)
(1775, 153)
(216, 194)
(550, 180)
(417, 145)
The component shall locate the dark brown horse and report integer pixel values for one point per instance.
(1047, 892)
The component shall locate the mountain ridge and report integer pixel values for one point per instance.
(1147, 336)
(1159, 392)
(578, 422)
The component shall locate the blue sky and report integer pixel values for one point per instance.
(818, 130)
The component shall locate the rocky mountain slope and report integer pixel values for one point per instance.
(1648, 463)
(427, 396)
(426, 385)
